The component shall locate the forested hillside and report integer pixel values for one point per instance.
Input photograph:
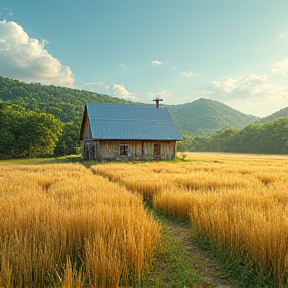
(281, 113)
(203, 116)
(64, 103)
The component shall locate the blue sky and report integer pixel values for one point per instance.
(233, 51)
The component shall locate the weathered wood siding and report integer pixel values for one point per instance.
(110, 150)
(86, 130)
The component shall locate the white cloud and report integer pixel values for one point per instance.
(272, 86)
(257, 95)
(116, 90)
(245, 87)
(25, 58)
(280, 67)
(156, 62)
(184, 74)
(162, 94)
(122, 65)
(100, 85)
(282, 35)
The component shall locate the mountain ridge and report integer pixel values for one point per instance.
(200, 117)
(206, 116)
(278, 114)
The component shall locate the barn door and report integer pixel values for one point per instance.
(157, 150)
(89, 150)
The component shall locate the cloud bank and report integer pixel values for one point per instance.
(26, 59)
(251, 86)
(245, 87)
(116, 90)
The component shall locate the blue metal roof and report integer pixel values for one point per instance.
(131, 122)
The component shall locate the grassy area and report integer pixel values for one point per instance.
(175, 263)
(170, 269)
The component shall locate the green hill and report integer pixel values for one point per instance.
(64, 103)
(204, 116)
(281, 113)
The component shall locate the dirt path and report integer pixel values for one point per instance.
(181, 263)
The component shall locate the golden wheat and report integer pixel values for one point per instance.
(61, 223)
(240, 202)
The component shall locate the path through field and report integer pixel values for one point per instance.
(181, 263)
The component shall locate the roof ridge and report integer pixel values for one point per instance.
(141, 120)
(133, 105)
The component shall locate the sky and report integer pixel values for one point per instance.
(232, 51)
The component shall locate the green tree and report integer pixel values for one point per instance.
(68, 139)
(27, 133)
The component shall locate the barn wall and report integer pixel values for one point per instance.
(110, 150)
(87, 130)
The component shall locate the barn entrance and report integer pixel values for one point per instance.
(157, 150)
(89, 150)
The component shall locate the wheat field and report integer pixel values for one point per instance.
(62, 226)
(236, 203)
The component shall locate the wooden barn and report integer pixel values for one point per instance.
(128, 132)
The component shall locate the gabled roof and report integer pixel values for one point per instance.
(129, 122)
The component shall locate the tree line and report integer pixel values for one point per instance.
(260, 138)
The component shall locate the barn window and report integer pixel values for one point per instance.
(124, 150)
